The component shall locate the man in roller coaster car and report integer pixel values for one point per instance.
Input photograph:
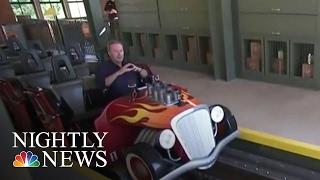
(116, 75)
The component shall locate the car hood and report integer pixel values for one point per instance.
(145, 112)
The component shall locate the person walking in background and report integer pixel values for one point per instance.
(112, 14)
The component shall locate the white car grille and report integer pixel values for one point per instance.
(194, 130)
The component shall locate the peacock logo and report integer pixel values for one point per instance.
(26, 159)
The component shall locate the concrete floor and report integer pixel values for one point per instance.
(275, 109)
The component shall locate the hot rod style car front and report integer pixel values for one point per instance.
(162, 131)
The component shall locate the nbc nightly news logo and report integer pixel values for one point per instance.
(26, 159)
(66, 142)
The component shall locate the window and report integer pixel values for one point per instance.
(77, 8)
(56, 4)
(23, 7)
(63, 8)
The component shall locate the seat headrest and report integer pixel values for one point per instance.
(15, 45)
(62, 69)
(37, 45)
(3, 58)
(31, 62)
(75, 54)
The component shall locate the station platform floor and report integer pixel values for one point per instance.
(281, 112)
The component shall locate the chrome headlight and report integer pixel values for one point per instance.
(217, 114)
(167, 139)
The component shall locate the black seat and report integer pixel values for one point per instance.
(75, 54)
(32, 62)
(37, 45)
(70, 88)
(92, 67)
(81, 70)
(47, 62)
(89, 82)
(6, 71)
(72, 92)
(62, 69)
(29, 62)
(3, 58)
(15, 47)
(17, 65)
(40, 79)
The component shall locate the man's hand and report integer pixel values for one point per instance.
(143, 73)
(126, 68)
(136, 68)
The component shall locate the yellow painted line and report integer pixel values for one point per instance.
(281, 143)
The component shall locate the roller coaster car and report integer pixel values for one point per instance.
(162, 131)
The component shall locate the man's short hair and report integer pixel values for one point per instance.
(111, 42)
